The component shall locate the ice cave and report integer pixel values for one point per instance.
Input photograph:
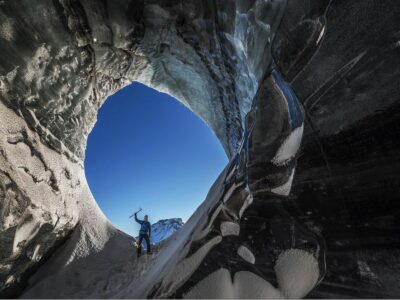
(304, 97)
(148, 151)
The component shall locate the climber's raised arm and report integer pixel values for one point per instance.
(137, 220)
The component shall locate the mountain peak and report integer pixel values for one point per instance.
(163, 229)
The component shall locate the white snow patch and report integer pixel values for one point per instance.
(289, 147)
(365, 271)
(25, 232)
(246, 203)
(297, 272)
(246, 254)
(33, 255)
(219, 285)
(251, 286)
(36, 66)
(7, 31)
(284, 189)
(229, 228)
(321, 34)
(10, 279)
(229, 193)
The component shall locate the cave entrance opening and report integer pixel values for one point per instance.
(148, 150)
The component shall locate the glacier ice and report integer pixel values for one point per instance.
(304, 102)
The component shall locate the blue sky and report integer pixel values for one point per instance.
(148, 150)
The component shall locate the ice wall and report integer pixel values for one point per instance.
(300, 93)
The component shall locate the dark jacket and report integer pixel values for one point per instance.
(145, 226)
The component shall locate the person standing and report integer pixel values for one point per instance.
(144, 233)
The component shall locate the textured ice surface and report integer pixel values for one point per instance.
(299, 181)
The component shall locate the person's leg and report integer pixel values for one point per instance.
(146, 237)
(139, 249)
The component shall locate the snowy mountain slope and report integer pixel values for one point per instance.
(163, 229)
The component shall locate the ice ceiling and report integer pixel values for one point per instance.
(304, 97)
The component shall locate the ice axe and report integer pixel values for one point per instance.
(136, 213)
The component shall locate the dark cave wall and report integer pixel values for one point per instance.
(347, 184)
